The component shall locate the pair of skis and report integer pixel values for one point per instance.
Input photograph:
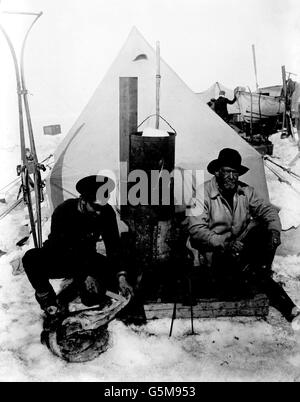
(28, 166)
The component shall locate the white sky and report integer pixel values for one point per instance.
(75, 41)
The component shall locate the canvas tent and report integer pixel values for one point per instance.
(92, 145)
(213, 92)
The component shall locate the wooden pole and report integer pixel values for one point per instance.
(128, 113)
(251, 112)
(158, 76)
(255, 69)
(128, 102)
(284, 94)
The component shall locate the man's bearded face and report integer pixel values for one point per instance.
(227, 179)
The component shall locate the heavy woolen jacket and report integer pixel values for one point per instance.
(75, 232)
(211, 221)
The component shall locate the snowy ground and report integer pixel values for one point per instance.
(235, 349)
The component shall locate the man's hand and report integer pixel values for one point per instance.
(274, 239)
(234, 247)
(219, 242)
(125, 289)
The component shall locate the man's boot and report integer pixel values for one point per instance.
(47, 301)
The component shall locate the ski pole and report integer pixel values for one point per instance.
(173, 318)
(191, 304)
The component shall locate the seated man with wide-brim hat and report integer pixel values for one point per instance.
(237, 231)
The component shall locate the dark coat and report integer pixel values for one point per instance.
(220, 106)
(77, 233)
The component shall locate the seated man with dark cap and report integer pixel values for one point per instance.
(70, 251)
(237, 231)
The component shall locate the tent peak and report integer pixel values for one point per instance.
(135, 31)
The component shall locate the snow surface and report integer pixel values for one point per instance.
(223, 349)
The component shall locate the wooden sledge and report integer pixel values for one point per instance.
(195, 295)
(258, 306)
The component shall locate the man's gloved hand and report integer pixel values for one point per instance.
(124, 286)
(274, 239)
(234, 247)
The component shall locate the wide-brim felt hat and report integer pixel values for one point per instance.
(228, 158)
(88, 187)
